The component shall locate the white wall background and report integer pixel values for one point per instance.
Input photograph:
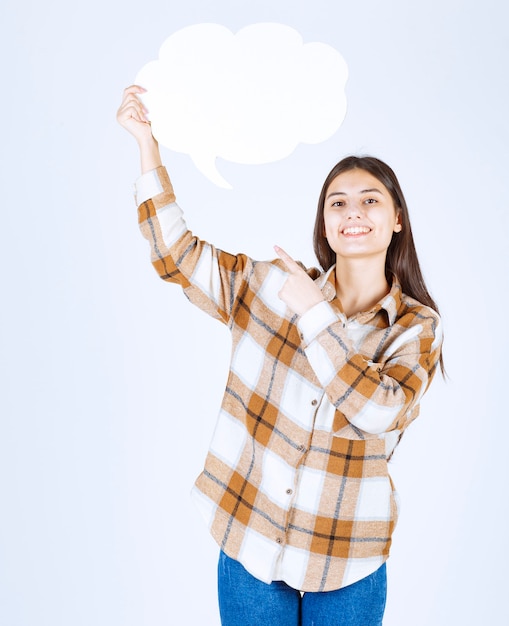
(110, 381)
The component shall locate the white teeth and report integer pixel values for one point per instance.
(356, 230)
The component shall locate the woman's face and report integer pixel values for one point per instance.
(359, 216)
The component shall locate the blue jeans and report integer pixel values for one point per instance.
(246, 601)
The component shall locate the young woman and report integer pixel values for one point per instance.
(328, 369)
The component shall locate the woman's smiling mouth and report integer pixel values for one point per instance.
(356, 230)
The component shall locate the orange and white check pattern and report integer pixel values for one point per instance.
(295, 484)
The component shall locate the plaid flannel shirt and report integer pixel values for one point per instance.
(295, 484)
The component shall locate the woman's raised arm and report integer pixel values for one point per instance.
(132, 115)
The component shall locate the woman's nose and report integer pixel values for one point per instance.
(353, 210)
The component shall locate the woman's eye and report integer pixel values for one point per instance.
(370, 200)
(338, 203)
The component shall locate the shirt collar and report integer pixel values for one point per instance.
(389, 303)
(392, 301)
(327, 284)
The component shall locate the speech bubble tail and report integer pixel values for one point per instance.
(207, 167)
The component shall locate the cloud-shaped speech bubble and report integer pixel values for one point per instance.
(249, 97)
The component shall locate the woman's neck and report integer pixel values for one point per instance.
(360, 284)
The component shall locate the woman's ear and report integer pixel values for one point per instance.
(398, 226)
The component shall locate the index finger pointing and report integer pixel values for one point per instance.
(292, 265)
(134, 89)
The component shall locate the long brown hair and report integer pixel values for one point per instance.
(401, 260)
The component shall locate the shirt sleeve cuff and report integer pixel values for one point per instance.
(150, 184)
(314, 321)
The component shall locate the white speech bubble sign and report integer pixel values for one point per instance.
(249, 97)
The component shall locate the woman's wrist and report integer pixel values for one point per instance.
(149, 154)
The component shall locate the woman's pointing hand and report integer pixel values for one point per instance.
(300, 293)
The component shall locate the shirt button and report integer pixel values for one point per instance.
(289, 491)
(314, 402)
(278, 540)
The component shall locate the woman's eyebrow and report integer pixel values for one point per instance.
(374, 189)
(342, 193)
